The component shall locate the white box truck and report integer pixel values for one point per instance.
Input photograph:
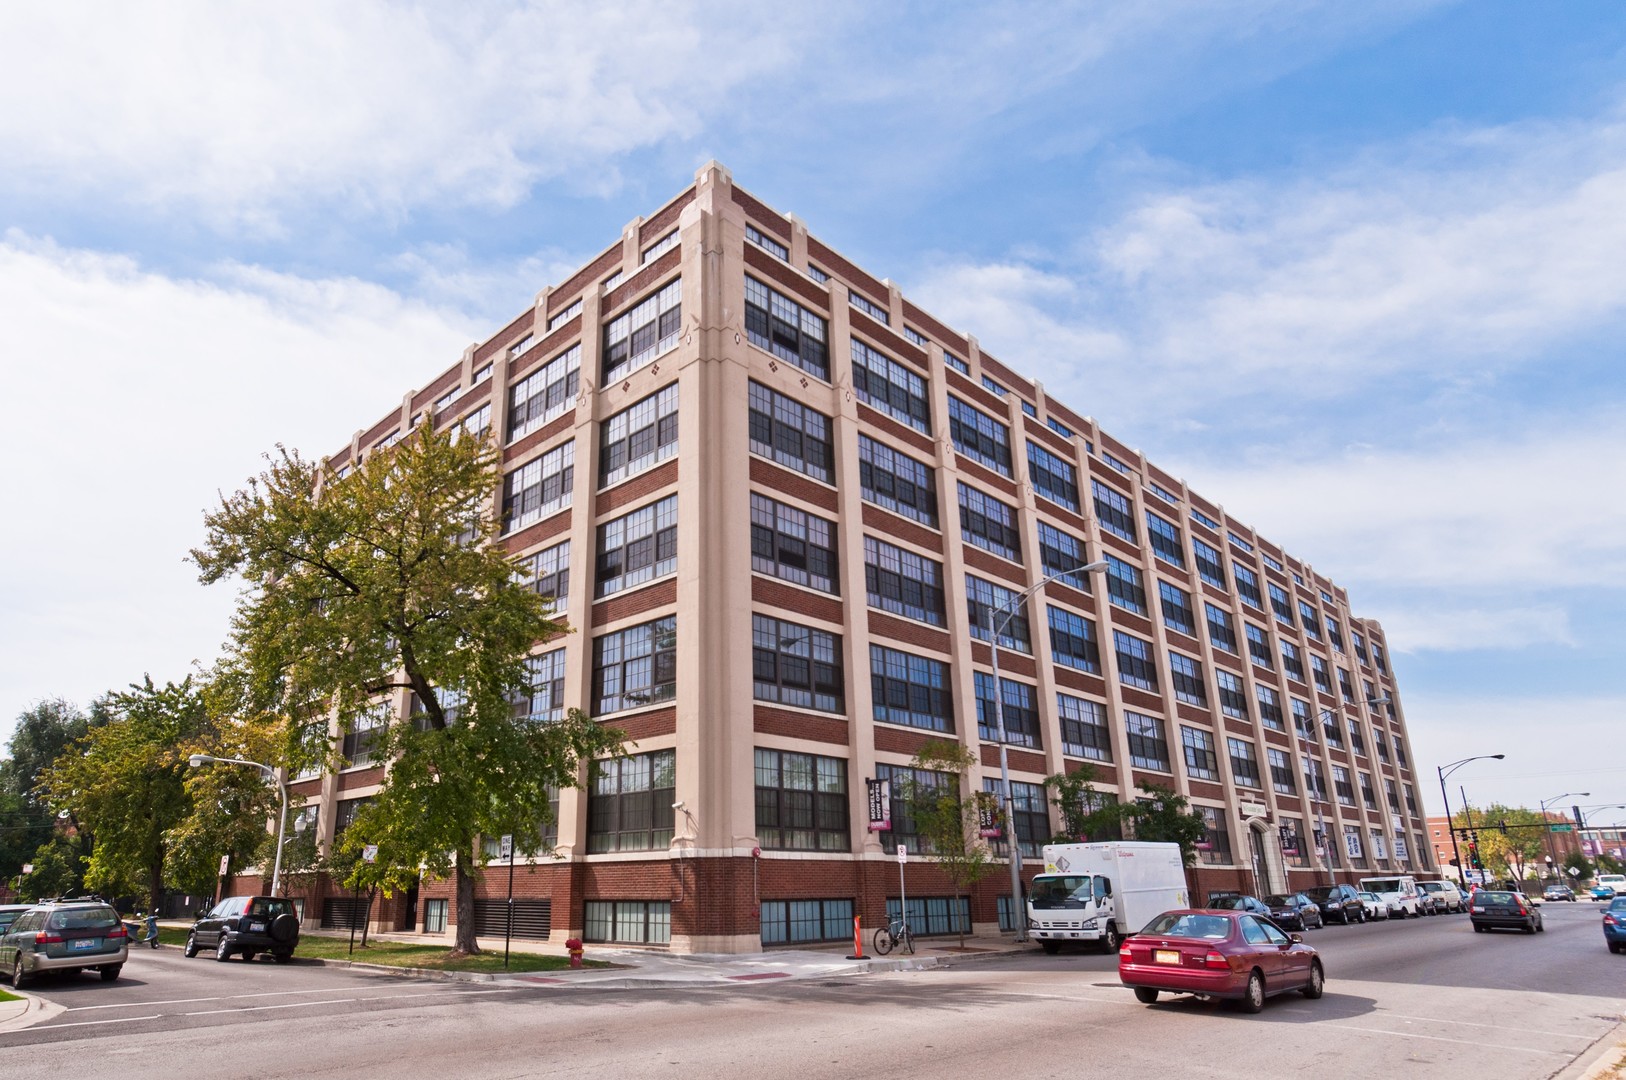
(1101, 892)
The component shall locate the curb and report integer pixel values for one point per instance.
(16, 1015)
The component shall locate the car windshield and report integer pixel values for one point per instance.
(1488, 896)
(1174, 924)
(1279, 901)
(88, 918)
(1322, 892)
(1383, 885)
(8, 917)
(1368, 896)
(265, 907)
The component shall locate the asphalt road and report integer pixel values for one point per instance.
(1422, 994)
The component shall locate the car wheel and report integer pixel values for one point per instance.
(1051, 948)
(19, 977)
(283, 957)
(223, 950)
(191, 949)
(1541, 927)
(248, 956)
(110, 972)
(1254, 997)
(1614, 947)
(1111, 939)
(1145, 995)
(1478, 929)
(1318, 981)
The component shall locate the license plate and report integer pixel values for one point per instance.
(1167, 956)
(257, 927)
(85, 943)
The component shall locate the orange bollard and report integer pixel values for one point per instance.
(858, 940)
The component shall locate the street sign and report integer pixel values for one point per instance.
(903, 854)
(505, 846)
(225, 861)
(28, 868)
(1560, 828)
(369, 853)
(1574, 872)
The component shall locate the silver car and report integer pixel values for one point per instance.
(67, 936)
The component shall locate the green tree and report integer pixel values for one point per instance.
(1608, 864)
(230, 809)
(1513, 853)
(393, 577)
(124, 782)
(949, 823)
(1080, 805)
(26, 822)
(1575, 860)
(1159, 816)
(59, 869)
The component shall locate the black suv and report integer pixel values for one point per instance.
(249, 925)
(1235, 901)
(1338, 903)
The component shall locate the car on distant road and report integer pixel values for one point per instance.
(247, 926)
(1502, 909)
(66, 937)
(1445, 894)
(1614, 925)
(1558, 892)
(1234, 901)
(1228, 955)
(1376, 908)
(9, 913)
(1338, 903)
(1294, 911)
(1602, 892)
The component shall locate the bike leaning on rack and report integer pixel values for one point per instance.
(898, 933)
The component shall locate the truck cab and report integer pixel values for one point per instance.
(1102, 892)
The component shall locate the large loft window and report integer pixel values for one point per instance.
(639, 437)
(1124, 586)
(790, 433)
(635, 667)
(1148, 747)
(545, 674)
(1176, 604)
(909, 689)
(796, 665)
(979, 436)
(1221, 630)
(1114, 512)
(640, 335)
(896, 481)
(885, 384)
(637, 547)
(1247, 586)
(1020, 714)
(1165, 539)
(902, 582)
(629, 803)
(544, 394)
(1135, 665)
(1073, 641)
(989, 524)
(775, 322)
(1060, 552)
(1201, 761)
(1052, 477)
(548, 572)
(801, 802)
(1083, 728)
(1209, 567)
(1186, 679)
(1010, 619)
(792, 544)
(539, 488)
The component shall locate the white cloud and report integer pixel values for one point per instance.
(1437, 628)
(135, 398)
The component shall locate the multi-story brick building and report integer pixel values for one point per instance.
(721, 432)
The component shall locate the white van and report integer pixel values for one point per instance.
(1616, 882)
(1399, 893)
(1447, 897)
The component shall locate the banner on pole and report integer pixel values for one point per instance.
(880, 805)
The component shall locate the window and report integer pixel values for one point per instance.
(906, 782)
(1221, 632)
(544, 394)
(885, 384)
(1201, 763)
(1114, 463)
(1028, 409)
(1186, 677)
(1029, 810)
(1052, 477)
(1315, 782)
(1334, 635)
(980, 597)
(1352, 844)
(956, 363)
(1270, 707)
(648, 330)
(775, 322)
(989, 523)
(1060, 552)
(1341, 785)
(1162, 492)
(1164, 535)
(1233, 697)
(1307, 617)
(1368, 797)
(1357, 742)
(481, 375)
(1176, 604)
(786, 922)
(915, 337)
(991, 386)
(790, 433)
(556, 321)
(1134, 661)
(1020, 713)
(627, 922)
(1390, 796)
(545, 674)
(1330, 729)
(434, 916)
(1318, 669)
(1209, 567)
(635, 439)
(1344, 688)
(1244, 763)
(1281, 772)
(635, 667)
(629, 805)
(899, 483)
(979, 436)
(1380, 849)
(767, 243)
(548, 572)
(1083, 728)
(869, 307)
(1117, 516)
(1073, 641)
(1203, 519)
(1238, 542)
(362, 735)
(816, 274)
(539, 487)
(910, 690)
(1301, 720)
(659, 248)
(344, 814)
(1360, 647)
(1292, 663)
(1247, 585)
(1148, 749)
(1215, 847)
(1124, 588)
(796, 665)
(1271, 561)
(1058, 427)
(801, 802)
(902, 582)
(1411, 801)
(1381, 742)
(1400, 752)
(638, 547)
(1258, 645)
(792, 544)
(1279, 604)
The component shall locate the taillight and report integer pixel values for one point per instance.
(1125, 953)
(1216, 960)
(45, 937)
(1610, 920)
(121, 931)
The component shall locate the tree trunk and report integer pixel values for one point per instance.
(957, 922)
(464, 881)
(367, 916)
(155, 883)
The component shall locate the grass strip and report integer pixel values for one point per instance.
(404, 954)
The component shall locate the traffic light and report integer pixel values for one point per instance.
(1473, 856)
(1503, 827)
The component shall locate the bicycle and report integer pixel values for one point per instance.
(898, 933)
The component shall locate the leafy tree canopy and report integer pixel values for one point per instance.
(948, 823)
(393, 578)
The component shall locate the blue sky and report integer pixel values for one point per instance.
(1287, 248)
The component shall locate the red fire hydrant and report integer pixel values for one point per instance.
(575, 946)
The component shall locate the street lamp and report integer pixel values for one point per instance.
(1010, 608)
(1552, 851)
(282, 815)
(1318, 792)
(1447, 770)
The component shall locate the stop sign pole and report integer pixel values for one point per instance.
(903, 894)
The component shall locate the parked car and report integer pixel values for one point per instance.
(64, 936)
(1233, 901)
(1602, 892)
(247, 925)
(1445, 895)
(1294, 911)
(1375, 907)
(1229, 955)
(1338, 903)
(1614, 925)
(1398, 890)
(9, 913)
(1494, 909)
(1559, 892)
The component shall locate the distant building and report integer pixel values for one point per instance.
(776, 499)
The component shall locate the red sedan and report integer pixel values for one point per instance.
(1218, 954)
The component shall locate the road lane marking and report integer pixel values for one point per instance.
(1459, 1042)
(263, 1008)
(92, 1023)
(217, 997)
